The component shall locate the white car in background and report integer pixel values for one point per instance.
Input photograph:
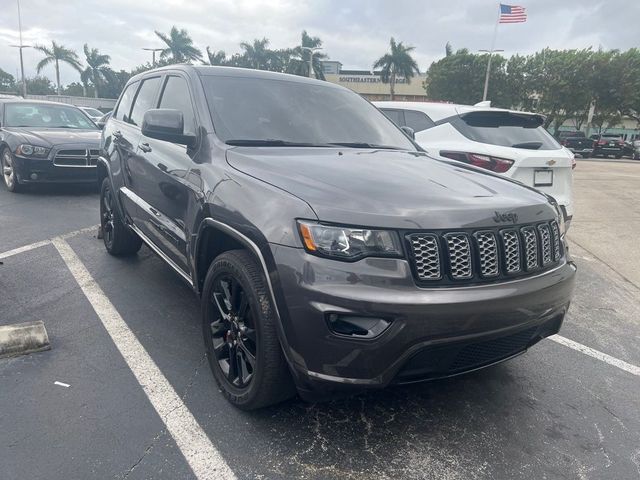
(93, 113)
(507, 142)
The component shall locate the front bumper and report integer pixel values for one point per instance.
(31, 170)
(582, 151)
(430, 328)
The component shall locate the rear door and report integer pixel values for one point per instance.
(121, 141)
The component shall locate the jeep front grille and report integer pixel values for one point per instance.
(484, 255)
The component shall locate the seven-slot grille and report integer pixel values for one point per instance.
(485, 254)
(76, 158)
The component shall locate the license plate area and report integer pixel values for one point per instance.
(543, 178)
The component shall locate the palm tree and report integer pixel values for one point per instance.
(299, 65)
(398, 62)
(97, 70)
(216, 57)
(56, 54)
(257, 55)
(180, 47)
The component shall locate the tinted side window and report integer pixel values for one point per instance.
(417, 120)
(395, 116)
(145, 100)
(176, 96)
(124, 107)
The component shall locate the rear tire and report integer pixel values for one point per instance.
(240, 334)
(619, 156)
(7, 169)
(119, 240)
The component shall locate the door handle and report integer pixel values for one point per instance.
(145, 147)
(117, 134)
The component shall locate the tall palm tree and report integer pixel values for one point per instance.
(258, 55)
(97, 70)
(299, 64)
(180, 47)
(57, 54)
(398, 62)
(216, 57)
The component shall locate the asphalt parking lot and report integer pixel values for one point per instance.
(565, 409)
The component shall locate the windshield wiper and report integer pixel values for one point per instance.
(240, 142)
(364, 145)
(528, 145)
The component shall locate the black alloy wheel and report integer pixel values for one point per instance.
(119, 240)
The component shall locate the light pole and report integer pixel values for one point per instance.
(486, 77)
(311, 50)
(20, 47)
(153, 50)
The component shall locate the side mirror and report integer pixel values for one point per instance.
(166, 124)
(409, 132)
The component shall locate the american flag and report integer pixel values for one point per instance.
(512, 14)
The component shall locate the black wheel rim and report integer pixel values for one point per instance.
(233, 341)
(106, 215)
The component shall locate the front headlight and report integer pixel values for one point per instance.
(561, 225)
(348, 243)
(27, 150)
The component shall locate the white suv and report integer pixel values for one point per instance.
(507, 142)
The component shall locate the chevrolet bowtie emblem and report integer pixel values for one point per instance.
(551, 163)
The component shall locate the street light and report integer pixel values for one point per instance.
(311, 50)
(153, 50)
(21, 46)
(486, 77)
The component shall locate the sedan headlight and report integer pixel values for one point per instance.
(26, 150)
(348, 243)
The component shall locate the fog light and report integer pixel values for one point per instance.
(357, 327)
(34, 176)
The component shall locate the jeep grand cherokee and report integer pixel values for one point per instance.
(330, 254)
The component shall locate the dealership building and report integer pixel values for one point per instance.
(370, 85)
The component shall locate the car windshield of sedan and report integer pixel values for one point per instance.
(33, 115)
(266, 112)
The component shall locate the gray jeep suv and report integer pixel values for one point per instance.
(330, 253)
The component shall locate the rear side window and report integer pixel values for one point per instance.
(419, 121)
(145, 100)
(124, 107)
(395, 116)
(505, 129)
(176, 96)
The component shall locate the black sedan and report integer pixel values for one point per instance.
(46, 142)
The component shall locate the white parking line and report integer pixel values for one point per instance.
(603, 357)
(201, 455)
(43, 243)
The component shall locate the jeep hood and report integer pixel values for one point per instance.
(387, 188)
(49, 137)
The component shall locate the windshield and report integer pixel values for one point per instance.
(265, 112)
(36, 115)
(505, 129)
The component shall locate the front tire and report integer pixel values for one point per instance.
(118, 239)
(240, 336)
(9, 175)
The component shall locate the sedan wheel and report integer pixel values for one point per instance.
(8, 171)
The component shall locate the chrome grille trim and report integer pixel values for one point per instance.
(530, 247)
(76, 158)
(545, 244)
(556, 241)
(512, 251)
(488, 253)
(459, 255)
(426, 252)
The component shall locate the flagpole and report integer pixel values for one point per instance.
(493, 44)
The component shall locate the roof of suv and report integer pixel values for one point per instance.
(437, 111)
(206, 70)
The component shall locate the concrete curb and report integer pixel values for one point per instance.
(23, 338)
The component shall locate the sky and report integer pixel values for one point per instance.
(355, 32)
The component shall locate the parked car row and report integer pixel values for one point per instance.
(331, 252)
